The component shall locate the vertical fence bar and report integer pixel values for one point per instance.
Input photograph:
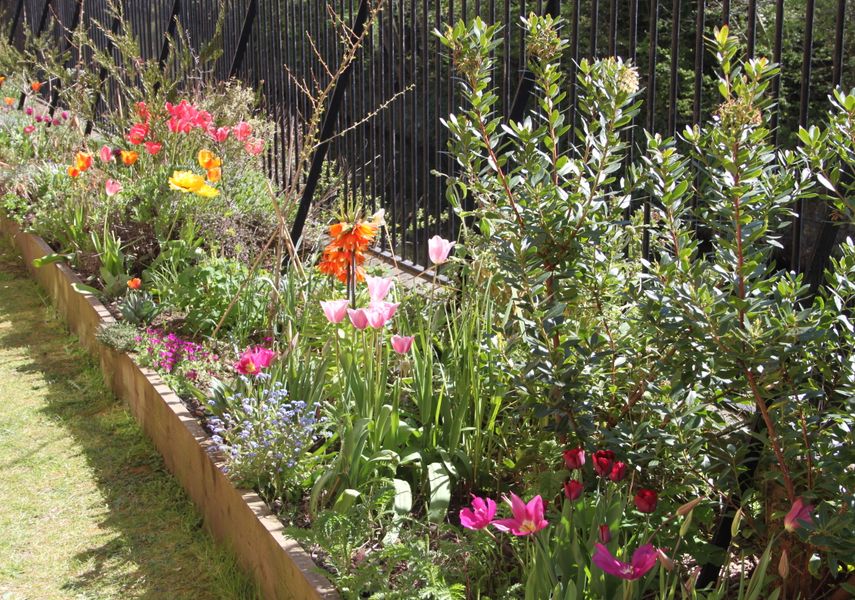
(613, 27)
(752, 28)
(675, 63)
(837, 57)
(16, 16)
(595, 25)
(699, 61)
(651, 111)
(776, 57)
(804, 105)
(326, 132)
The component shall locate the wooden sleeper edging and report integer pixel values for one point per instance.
(240, 518)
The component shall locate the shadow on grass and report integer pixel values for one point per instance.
(157, 548)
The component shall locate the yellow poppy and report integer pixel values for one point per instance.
(187, 182)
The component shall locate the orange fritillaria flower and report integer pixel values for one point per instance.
(36, 86)
(129, 157)
(348, 245)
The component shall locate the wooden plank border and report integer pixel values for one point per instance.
(239, 518)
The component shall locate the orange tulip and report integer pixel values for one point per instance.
(129, 157)
(135, 283)
(36, 86)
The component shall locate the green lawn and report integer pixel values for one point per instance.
(87, 509)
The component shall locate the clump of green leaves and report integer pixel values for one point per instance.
(120, 336)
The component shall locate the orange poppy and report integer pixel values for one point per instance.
(73, 172)
(2, 79)
(82, 162)
(36, 86)
(9, 101)
(129, 157)
(208, 160)
(214, 174)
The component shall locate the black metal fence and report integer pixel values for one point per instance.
(389, 160)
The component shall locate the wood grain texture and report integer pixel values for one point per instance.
(240, 518)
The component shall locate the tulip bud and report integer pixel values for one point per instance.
(605, 534)
(688, 507)
(784, 565)
(665, 560)
(573, 489)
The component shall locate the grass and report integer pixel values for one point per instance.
(87, 508)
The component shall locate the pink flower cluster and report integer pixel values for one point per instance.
(44, 119)
(170, 350)
(375, 315)
(184, 117)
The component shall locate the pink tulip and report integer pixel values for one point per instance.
(387, 308)
(799, 513)
(254, 360)
(112, 187)
(242, 131)
(480, 515)
(527, 519)
(334, 310)
(378, 287)
(39, 118)
(56, 122)
(218, 134)
(254, 147)
(29, 111)
(643, 559)
(438, 249)
(358, 318)
(106, 154)
(376, 315)
(402, 343)
(29, 129)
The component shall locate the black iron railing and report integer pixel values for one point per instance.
(389, 161)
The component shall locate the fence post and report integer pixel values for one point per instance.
(326, 132)
(245, 30)
(170, 32)
(15, 18)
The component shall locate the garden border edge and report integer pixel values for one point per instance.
(240, 518)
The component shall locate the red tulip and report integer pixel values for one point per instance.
(573, 489)
(645, 500)
(605, 534)
(618, 472)
(603, 461)
(575, 458)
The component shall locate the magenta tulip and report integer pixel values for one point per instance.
(438, 249)
(527, 519)
(604, 534)
(480, 515)
(29, 129)
(378, 288)
(402, 343)
(575, 458)
(643, 559)
(254, 360)
(334, 310)
(799, 513)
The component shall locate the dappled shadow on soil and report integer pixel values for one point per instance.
(155, 546)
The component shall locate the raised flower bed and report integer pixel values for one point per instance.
(239, 518)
